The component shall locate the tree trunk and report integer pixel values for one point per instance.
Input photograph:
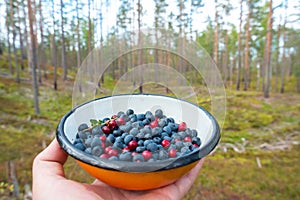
(53, 49)
(8, 42)
(21, 40)
(89, 27)
(13, 25)
(277, 59)
(247, 48)
(140, 56)
(268, 69)
(283, 60)
(34, 57)
(12, 178)
(216, 35)
(238, 79)
(26, 38)
(42, 60)
(78, 35)
(63, 45)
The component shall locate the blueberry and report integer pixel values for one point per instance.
(151, 160)
(127, 139)
(118, 145)
(162, 155)
(138, 124)
(97, 130)
(185, 150)
(80, 146)
(157, 140)
(111, 138)
(119, 139)
(96, 142)
(126, 127)
(97, 150)
(164, 134)
(167, 129)
(141, 143)
(138, 158)
(105, 119)
(162, 122)
(147, 129)
(146, 121)
(170, 119)
(82, 134)
(129, 112)
(188, 131)
(88, 142)
(196, 140)
(140, 149)
(155, 155)
(140, 117)
(146, 142)
(194, 133)
(120, 113)
(156, 131)
(82, 127)
(148, 136)
(149, 116)
(113, 158)
(88, 150)
(152, 147)
(179, 145)
(140, 135)
(159, 113)
(167, 138)
(182, 134)
(187, 144)
(134, 131)
(117, 132)
(126, 156)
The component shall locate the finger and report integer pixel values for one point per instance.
(184, 183)
(50, 160)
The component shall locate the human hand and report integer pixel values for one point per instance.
(49, 182)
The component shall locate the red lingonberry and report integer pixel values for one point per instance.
(147, 154)
(120, 121)
(165, 143)
(172, 153)
(187, 139)
(104, 156)
(182, 126)
(112, 124)
(106, 129)
(132, 144)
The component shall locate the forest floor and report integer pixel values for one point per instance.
(257, 158)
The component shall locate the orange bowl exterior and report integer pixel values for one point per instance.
(137, 180)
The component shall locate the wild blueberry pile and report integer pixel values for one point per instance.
(128, 136)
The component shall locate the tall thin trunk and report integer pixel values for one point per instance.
(268, 69)
(238, 79)
(63, 45)
(277, 59)
(89, 27)
(34, 58)
(14, 41)
(247, 48)
(21, 39)
(283, 60)
(27, 42)
(140, 56)
(53, 52)
(42, 60)
(78, 35)
(8, 42)
(216, 34)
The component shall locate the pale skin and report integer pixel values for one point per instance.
(49, 182)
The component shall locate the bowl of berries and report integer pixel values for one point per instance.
(138, 142)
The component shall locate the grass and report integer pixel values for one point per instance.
(229, 175)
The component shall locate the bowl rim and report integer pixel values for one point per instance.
(126, 166)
